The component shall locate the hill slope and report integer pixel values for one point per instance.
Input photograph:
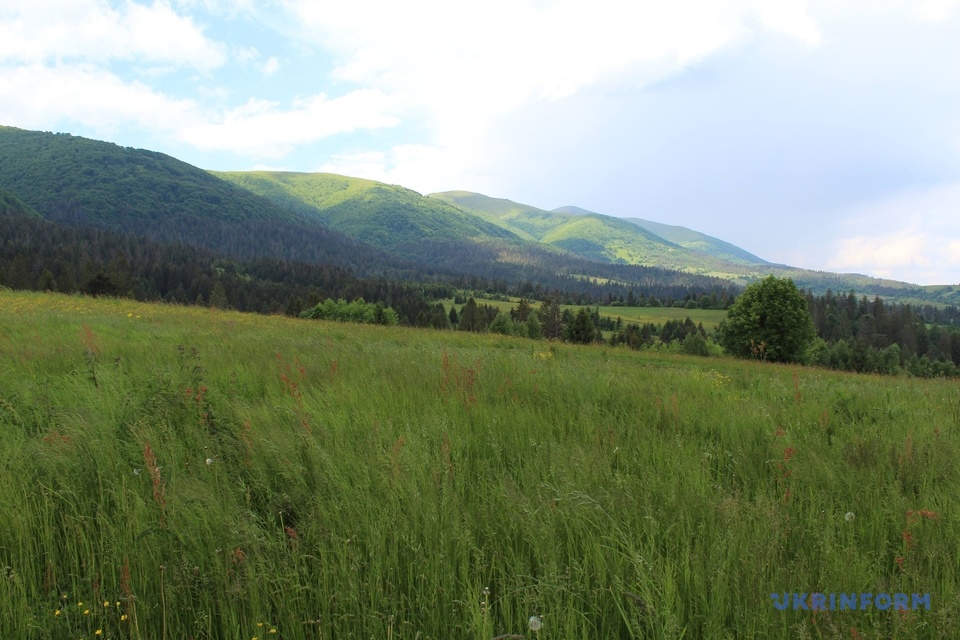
(11, 205)
(327, 219)
(384, 215)
(88, 183)
(591, 235)
(605, 238)
(115, 187)
(688, 238)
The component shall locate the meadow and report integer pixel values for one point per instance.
(187, 473)
(710, 318)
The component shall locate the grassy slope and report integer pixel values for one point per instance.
(371, 482)
(687, 238)
(592, 236)
(384, 215)
(699, 242)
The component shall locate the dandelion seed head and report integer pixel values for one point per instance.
(209, 461)
(849, 517)
(535, 623)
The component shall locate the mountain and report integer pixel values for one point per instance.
(11, 205)
(383, 215)
(87, 184)
(605, 238)
(458, 239)
(590, 235)
(688, 238)
(379, 231)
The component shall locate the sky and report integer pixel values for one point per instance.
(820, 134)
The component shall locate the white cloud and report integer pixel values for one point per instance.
(912, 237)
(270, 66)
(462, 67)
(264, 128)
(425, 168)
(790, 17)
(37, 96)
(938, 10)
(94, 30)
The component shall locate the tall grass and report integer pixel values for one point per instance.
(186, 473)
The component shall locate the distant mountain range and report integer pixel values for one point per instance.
(687, 238)
(375, 228)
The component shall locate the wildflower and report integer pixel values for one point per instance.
(535, 622)
(86, 612)
(123, 618)
(99, 632)
(849, 517)
(106, 603)
(273, 630)
(57, 612)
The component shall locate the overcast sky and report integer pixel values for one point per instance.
(818, 134)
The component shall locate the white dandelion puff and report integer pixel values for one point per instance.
(849, 517)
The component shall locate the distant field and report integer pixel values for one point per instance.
(183, 473)
(640, 315)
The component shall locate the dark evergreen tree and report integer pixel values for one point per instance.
(581, 329)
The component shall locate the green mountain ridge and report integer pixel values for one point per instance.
(592, 236)
(81, 183)
(606, 238)
(378, 230)
(387, 216)
(688, 238)
(113, 185)
(88, 183)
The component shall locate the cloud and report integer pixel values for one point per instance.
(96, 31)
(912, 236)
(427, 168)
(263, 128)
(37, 96)
(458, 69)
(938, 10)
(269, 66)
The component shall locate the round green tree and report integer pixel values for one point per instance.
(770, 321)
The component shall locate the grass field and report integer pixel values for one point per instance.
(638, 315)
(170, 472)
